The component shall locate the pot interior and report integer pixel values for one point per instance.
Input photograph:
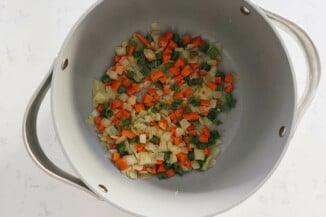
(251, 145)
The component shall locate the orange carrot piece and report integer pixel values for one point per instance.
(163, 123)
(128, 133)
(113, 146)
(212, 85)
(206, 132)
(140, 147)
(147, 98)
(172, 45)
(125, 113)
(174, 70)
(189, 148)
(170, 173)
(159, 162)
(117, 59)
(115, 156)
(115, 85)
(187, 163)
(163, 80)
(203, 138)
(99, 108)
(143, 40)
(204, 110)
(228, 88)
(161, 168)
(133, 88)
(116, 121)
(152, 123)
(101, 127)
(218, 102)
(202, 73)
(178, 95)
(186, 139)
(156, 75)
(186, 71)
(168, 35)
(205, 102)
(207, 151)
(163, 43)
(218, 80)
(166, 90)
(139, 107)
(116, 104)
(176, 140)
(126, 82)
(197, 41)
(179, 63)
(192, 116)
(182, 157)
(228, 78)
(187, 92)
(119, 68)
(130, 50)
(122, 164)
(186, 40)
(153, 170)
(166, 58)
(169, 102)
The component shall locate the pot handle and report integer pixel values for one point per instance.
(311, 57)
(32, 142)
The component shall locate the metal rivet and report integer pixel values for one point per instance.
(282, 131)
(64, 64)
(103, 188)
(245, 10)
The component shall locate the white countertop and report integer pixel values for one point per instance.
(31, 33)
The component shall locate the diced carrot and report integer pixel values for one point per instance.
(99, 108)
(186, 139)
(176, 140)
(143, 40)
(228, 88)
(125, 113)
(152, 123)
(148, 78)
(147, 98)
(130, 50)
(101, 127)
(187, 92)
(189, 148)
(169, 101)
(159, 162)
(152, 91)
(212, 85)
(218, 80)
(166, 89)
(218, 102)
(202, 73)
(161, 168)
(116, 104)
(163, 123)
(192, 132)
(134, 88)
(204, 110)
(117, 59)
(186, 40)
(207, 151)
(150, 104)
(228, 78)
(192, 116)
(128, 133)
(166, 58)
(179, 80)
(179, 63)
(178, 95)
(184, 105)
(116, 121)
(173, 130)
(140, 147)
(115, 85)
(187, 163)
(206, 132)
(156, 75)
(163, 80)
(113, 146)
(170, 173)
(186, 71)
(119, 69)
(204, 102)
(197, 41)
(174, 70)
(168, 35)
(172, 45)
(153, 169)
(163, 43)
(156, 98)
(115, 156)
(139, 107)
(122, 164)
(203, 138)
(107, 138)
(126, 82)
(182, 157)
(194, 66)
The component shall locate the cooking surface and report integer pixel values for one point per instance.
(32, 33)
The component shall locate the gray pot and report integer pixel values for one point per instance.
(256, 134)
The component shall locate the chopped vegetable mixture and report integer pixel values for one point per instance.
(156, 109)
